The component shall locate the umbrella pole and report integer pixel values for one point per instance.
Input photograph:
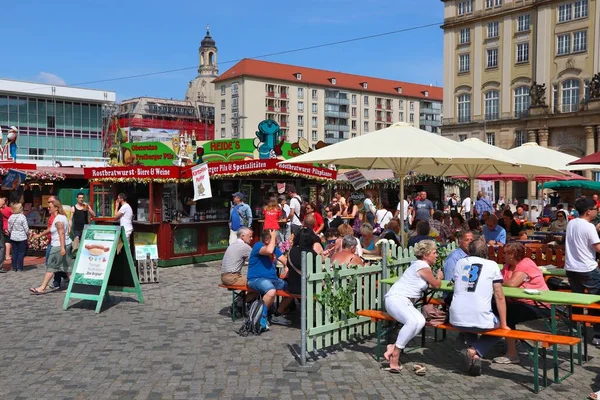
(402, 235)
(472, 189)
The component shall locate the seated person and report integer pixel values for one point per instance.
(234, 258)
(464, 240)
(392, 232)
(520, 214)
(494, 234)
(331, 235)
(474, 225)
(262, 274)
(509, 224)
(476, 280)
(422, 233)
(534, 213)
(437, 223)
(560, 224)
(344, 230)
(348, 253)
(368, 240)
(522, 272)
(332, 217)
(484, 216)
(522, 235)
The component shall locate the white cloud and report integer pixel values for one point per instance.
(51, 79)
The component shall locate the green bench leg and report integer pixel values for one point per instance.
(545, 371)
(378, 333)
(536, 372)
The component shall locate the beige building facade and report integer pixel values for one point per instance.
(317, 105)
(496, 50)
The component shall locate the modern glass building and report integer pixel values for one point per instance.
(56, 123)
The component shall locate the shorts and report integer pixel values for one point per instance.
(233, 279)
(263, 285)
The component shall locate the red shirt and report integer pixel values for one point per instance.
(6, 213)
(534, 278)
(318, 220)
(50, 221)
(272, 218)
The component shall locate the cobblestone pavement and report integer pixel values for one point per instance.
(181, 344)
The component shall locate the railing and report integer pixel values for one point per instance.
(336, 100)
(332, 140)
(270, 108)
(336, 114)
(283, 95)
(334, 127)
(379, 106)
(521, 113)
(270, 94)
(284, 110)
(492, 116)
(283, 124)
(463, 119)
(568, 108)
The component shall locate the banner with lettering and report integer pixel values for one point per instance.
(357, 179)
(201, 178)
(13, 179)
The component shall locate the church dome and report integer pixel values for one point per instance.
(208, 41)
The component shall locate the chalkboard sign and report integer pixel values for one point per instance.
(104, 263)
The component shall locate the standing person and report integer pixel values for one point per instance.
(453, 203)
(582, 244)
(124, 214)
(58, 275)
(383, 216)
(466, 207)
(400, 299)
(423, 208)
(482, 204)
(272, 213)
(59, 258)
(284, 227)
(240, 215)
(6, 213)
(80, 214)
(17, 233)
(341, 200)
(311, 209)
(295, 210)
(369, 208)
(405, 214)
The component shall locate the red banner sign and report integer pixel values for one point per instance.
(132, 172)
(235, 167)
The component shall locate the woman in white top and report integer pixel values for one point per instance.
(383, 216)
(399, 300)
(18, 231)
(60, 255)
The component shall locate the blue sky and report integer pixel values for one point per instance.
(74, 41)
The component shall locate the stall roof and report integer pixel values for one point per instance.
(591, 185)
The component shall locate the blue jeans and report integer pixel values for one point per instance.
(18, 254)
(582, 281)
(263, 285)
(482, 344)
(371, 218)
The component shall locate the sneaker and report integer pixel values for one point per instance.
(596, 341)
(54, 286)
(280, 320)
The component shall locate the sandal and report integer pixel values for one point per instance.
(506, 360)
(35, 291)
(394, 371)
(419, 370)
(594, 396)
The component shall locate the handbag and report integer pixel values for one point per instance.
(378, 229)
(434, 315)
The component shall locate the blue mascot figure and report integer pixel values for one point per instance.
(268, 137)
(12, 141)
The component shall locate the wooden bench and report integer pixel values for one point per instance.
(584, 320)
(238, 290)
(541, 340)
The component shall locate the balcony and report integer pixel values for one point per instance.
(285, 110)
(379, 119)
(283, 124)
(464, 119)
(271, 94)
(430, 110)
(337, 114)
(429, 122)
(283, 95)
(388, 119)
(270, 108)
(379, 106)
(332, 140)
(388, 107)
(336, 100)
(332, 127)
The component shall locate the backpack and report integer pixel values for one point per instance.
(302, 208)
(255, 323)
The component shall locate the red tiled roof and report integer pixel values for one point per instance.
(285, 72)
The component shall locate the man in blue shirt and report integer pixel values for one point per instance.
(482, 204)
(262, 272)
(493, 233)
(464, 240)
(240, 216)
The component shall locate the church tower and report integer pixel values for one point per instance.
(208, 56)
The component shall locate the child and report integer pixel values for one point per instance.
(272, 213)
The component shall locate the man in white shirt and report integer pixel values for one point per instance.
(582, 243)
(295, 209)
(476, 280)
(405, 214)
(466, 207)
(124, 214)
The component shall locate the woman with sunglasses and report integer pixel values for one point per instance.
(560, 223)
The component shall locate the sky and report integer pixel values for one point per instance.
(77, 41)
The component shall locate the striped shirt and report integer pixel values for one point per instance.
(17, 227)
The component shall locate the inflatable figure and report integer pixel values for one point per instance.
(269, 136)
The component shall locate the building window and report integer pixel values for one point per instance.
(401, 116)
(354, 112)
(523, 52)
(300, 93)
(523, 23)
(492, 58)
(579, 41)
(586, 91)
(314, 122)
(300, 120)
(300, 133)
(314, 135)
(222, 132)
(465, 36)
(580, 9)
(564, 12)
(490, 138)
(354, 99)
(465, 7)
(300, 106)
(365, 127)
(520, 138)
(464, 108)
(234, 88)
(492, 30)
(353, 125)
(570, 95)
(564, 44)
(222, 118)
(222, 104)
(366, 113)
(222, 90)
(521, 101)
(401, 104)
(314, 94)
(462, 138)
(353, 134)
(366, 100)
(411, 117)
(464, 61)
(493, 3)
(492, 99)
(412, 106)
(234, 102)
(315, 108)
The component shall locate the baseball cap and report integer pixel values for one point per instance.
(238, 194)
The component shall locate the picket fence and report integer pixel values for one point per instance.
(323, 329)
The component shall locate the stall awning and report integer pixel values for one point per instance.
(591, 185)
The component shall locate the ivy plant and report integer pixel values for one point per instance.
(336, 298)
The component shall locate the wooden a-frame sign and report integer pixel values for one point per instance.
(100, 267)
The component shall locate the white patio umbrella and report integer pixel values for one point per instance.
(517, 166)
(402, 148)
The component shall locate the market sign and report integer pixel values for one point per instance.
(201, 179)
(132, 173)
(241, 168)
(13, 179)
(148, 153)
(357, 179)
